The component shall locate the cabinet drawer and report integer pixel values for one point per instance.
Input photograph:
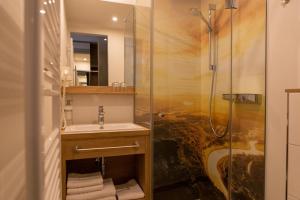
(90, 148)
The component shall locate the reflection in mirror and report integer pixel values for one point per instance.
(90, 59)
(102, 43)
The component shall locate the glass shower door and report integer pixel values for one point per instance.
(248, 111)
(190, 161)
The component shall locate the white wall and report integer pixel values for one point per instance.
(283, 71)
(82, 61)
(64, 37)
(64, 34)
(294, 147)
(117, 108)
(115, 49)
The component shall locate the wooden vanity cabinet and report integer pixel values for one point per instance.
(114, 146)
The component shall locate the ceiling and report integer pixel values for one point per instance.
(97, 13)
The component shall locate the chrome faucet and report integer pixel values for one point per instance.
(101, 117)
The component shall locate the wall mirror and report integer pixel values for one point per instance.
(101, 43)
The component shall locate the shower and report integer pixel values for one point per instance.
(229, 4)
(207, 99)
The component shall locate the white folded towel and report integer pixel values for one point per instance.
(84, 180)
(108, 190)
(76, 176)
(129, 190)
(108, 198)
(85, 189)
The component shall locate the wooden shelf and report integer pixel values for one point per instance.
(100, 90)
(292, 90)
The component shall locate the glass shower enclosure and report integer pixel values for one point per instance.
(206, 100)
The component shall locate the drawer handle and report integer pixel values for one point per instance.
(135, 145)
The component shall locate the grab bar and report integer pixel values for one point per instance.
(78, 149)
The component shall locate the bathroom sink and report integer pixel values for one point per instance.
(107, 127)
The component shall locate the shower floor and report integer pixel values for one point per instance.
(201, 189)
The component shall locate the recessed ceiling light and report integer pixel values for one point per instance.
(115, 19)
(42, 11)
(45, 3)
(105, 39)
(85, 59)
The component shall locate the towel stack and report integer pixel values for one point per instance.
(90, 187)
(129, 191)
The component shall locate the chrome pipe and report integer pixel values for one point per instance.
(231, 4)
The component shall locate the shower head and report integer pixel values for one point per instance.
(197, 12)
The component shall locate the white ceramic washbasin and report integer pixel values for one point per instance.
(88, 128)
